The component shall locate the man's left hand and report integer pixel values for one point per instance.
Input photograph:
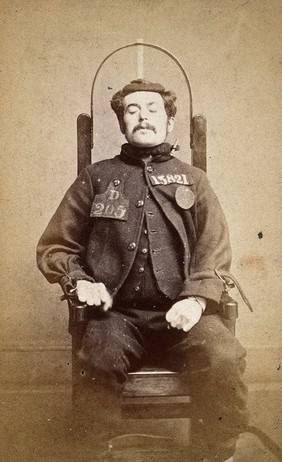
(184, 314)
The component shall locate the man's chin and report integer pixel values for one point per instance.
(144, 144)
(144, 141)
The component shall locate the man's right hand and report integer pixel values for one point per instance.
(93, 293)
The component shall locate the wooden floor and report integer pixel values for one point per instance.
(35, 427)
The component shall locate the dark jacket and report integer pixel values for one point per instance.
(95, 231)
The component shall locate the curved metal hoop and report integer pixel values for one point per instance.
(156, 47)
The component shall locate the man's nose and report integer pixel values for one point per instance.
(143, 115)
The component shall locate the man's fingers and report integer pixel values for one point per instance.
(82, 293)
(176, 317)
(105, 297)
(184, 314)
(103, 293)
(82, 297)
(182, 321)
(82, 290)
(178, 321)
(108, 304)
(88, 292)
(169, 317)
(188, 326)
(172, 315)
(93, 298)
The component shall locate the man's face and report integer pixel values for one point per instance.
(145, 121)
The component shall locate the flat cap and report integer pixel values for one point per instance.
(142, 85)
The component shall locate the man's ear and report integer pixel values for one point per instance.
(170, 124)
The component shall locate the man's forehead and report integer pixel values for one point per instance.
(146, 97)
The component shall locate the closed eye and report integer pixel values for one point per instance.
(153, 107)
(132, 109)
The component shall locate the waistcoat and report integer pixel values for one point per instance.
(157, 270)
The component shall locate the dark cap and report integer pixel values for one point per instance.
(142, 85)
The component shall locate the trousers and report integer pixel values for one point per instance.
(209, 356)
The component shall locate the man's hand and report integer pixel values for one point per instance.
(93, 293)
(184, 314)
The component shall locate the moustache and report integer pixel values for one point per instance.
(144, 127)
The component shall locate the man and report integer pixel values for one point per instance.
(140, 237)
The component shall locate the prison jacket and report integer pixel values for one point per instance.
(96, 230)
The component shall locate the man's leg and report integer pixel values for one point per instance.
(112, 345)
(214, 362)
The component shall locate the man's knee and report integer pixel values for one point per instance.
(109, 347)
(227, 356)
(107, 364)
(217, 363)
(212, 348)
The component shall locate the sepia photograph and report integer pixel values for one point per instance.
(140, 227)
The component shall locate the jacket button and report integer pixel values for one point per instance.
(137, 289)
(144, 251)
(116, 182)
(139, 204)
(131, 246)
(141, 270)
(150, 168)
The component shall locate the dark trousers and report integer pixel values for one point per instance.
(209, 355)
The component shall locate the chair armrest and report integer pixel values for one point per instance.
(229, 311)
(79, 314)
(78, 311)
(229, 307)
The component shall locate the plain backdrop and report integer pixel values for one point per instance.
(50, 51)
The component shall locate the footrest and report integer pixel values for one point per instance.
(155, 382)
(143, 448)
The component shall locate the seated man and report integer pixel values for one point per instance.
(138, 237)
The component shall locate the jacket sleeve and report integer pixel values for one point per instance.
(62, 247)
(212, 249)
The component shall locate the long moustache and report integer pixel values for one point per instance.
(147, 127)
